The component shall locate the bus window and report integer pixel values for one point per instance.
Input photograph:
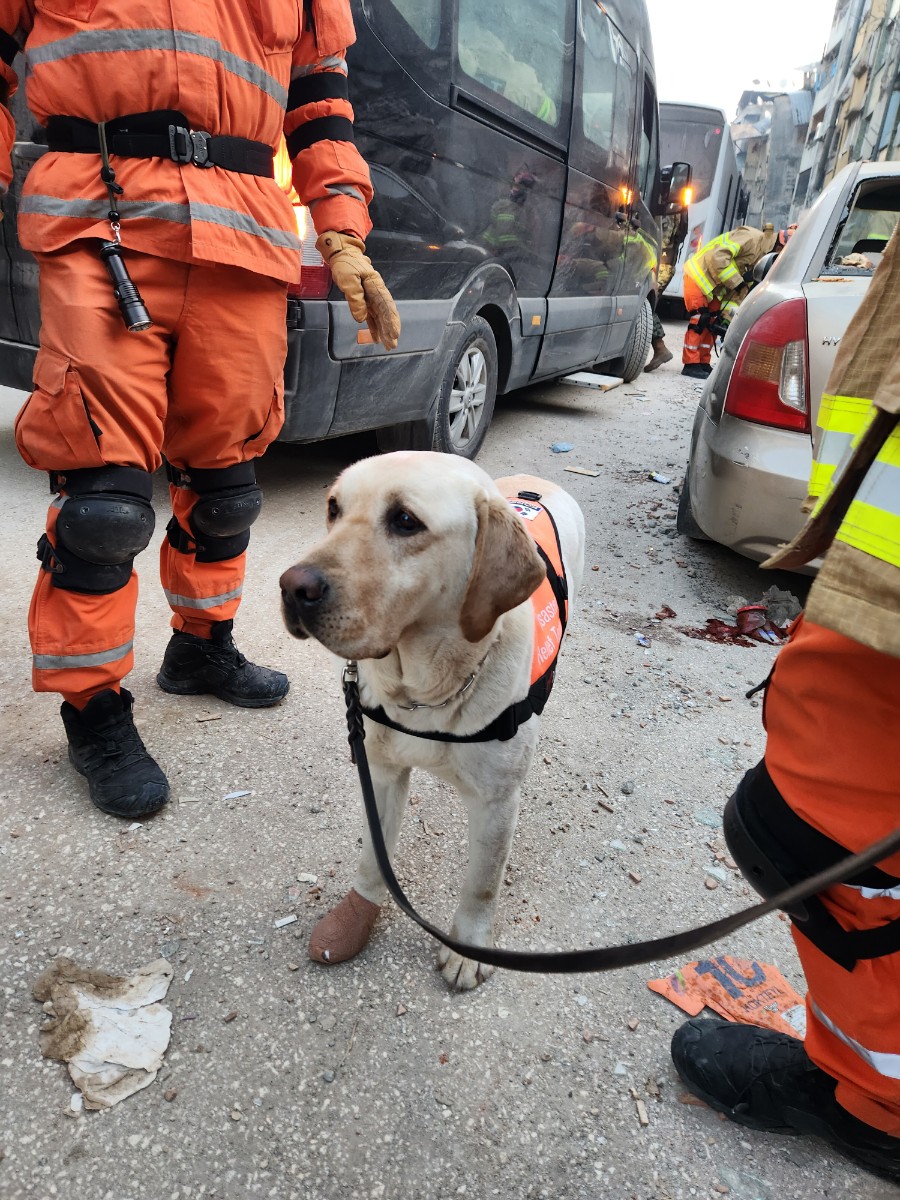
(423, 17)
(608, 100)
(516, 49)
(697, 142)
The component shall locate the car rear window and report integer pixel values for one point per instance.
(865, 230)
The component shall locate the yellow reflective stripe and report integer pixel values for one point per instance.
(873, 531)
(844, 414)
(729, 272)
(699, 277)
(820, 478)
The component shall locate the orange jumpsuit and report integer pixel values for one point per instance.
(833, 725)
(210, 249)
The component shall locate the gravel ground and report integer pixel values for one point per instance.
(371, 1079)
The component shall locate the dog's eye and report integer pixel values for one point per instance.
(334, 509)
(403, 522)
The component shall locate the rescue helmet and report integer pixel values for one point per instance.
(785, 235)
(770, 237)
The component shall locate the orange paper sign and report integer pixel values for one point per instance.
(737, 989)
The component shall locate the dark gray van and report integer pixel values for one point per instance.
(514, 151)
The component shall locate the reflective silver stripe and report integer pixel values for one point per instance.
(885, 1064)
(345, 189)
(867, 893)
(881, 488)
(54, 206)
(62, 662)
(204, 601)
(115, 41)
(244, 223)
(332, 62)
(58, 502)
(833, 447)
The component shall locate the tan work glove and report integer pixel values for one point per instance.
(363, 287)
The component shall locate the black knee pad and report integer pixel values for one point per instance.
(105, 520)
(228, 503)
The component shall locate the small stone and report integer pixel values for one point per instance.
(711, 884)
(634, 877)
(236, 1115)
(170, 1095)
(725, 699)
(402, 1010)
(627, 787)
(722, 1188)
(229, 1017)
(633, 1024)
(293, 966)
(545, 1057)
(587, 1036)
(328, 1076)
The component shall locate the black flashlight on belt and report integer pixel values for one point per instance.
(131, 306)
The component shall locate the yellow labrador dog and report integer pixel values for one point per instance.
(425, 576)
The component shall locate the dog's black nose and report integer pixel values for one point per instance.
(304, 586)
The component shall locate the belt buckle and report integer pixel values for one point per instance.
(189, 146)
(200, 147)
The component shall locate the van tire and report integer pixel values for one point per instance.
(685, 521)
(638, 344)
(468, 389)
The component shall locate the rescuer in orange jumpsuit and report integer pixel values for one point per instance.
(194, 96)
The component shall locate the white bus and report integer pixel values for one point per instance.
(700, 136)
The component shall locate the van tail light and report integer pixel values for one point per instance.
(696, 238)
(315, 273)
(769, 384)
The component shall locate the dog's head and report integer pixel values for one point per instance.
(415, 542)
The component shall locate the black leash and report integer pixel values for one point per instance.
(607, 958)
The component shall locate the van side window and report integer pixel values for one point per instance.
(608, 99)
(423, 17)
(517, 49)
(648, 158)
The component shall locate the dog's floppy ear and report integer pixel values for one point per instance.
(506, 568)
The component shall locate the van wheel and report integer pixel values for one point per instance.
(635, 355)
(685, 522)
(465, 401)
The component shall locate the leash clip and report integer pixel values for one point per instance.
(350, 673)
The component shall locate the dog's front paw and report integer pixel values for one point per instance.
(462, 974)
(344, 931)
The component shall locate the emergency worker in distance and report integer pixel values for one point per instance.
(716, 279)
(829, 783)
(189, 99)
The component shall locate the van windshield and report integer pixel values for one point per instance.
(695, 139)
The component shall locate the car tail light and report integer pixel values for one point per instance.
(315, 274)
(769, 384)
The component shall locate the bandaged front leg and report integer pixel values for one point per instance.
(343, 932)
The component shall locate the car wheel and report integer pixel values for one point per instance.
(684, 521)
(468, 389)
(635, 355)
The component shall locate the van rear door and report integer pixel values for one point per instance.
(582, 302)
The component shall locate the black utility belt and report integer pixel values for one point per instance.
(163, 133)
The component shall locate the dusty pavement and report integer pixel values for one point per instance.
(371, 1079)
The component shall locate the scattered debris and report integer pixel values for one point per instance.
(112, 1030)
(237, 795)
(282, 921)
(717, 631)
(601, 383)
(633, 1023)
(627, 787)
(402, 1010)
(561, 447)
(583, 471)
(208, 717)
(587, 1036)
(306, 878)
(658, 478)
(170, 1095)
(634, 877)
(642, 640)
(738, 989)
(665, 613)
(229, 1017)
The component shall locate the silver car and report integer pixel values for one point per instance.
(751, 445)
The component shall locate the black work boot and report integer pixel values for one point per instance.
(195, 666)
(767, 1081)
(697, 370)
(661, 354)
(107, 750)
